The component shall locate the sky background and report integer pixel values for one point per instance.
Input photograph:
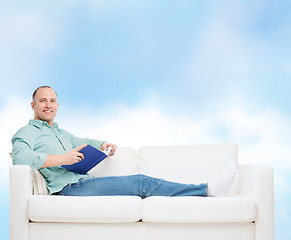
(154, 72)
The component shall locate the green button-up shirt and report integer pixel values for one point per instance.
(33, 142)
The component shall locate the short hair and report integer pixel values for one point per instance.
(34, 93)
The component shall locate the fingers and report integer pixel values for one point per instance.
(76, 155)
(78, 159)
(80, 147)
(103, 146)
(113, 146)
(113, 149)
(79, 155)
(106, 145)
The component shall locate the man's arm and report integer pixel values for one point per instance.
(68, 158)
(73, 156)
(23, 154)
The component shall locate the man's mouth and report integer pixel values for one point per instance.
(48, 111)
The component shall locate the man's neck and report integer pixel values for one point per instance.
(51, 123)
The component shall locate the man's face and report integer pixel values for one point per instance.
(45, 105)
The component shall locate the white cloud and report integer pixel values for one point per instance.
(260, 136)
(135, 127)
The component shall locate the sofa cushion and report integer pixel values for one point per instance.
(187, 164)
(104, 209)
(124, 162)
(199, 209)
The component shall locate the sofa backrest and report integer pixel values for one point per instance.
(187, 164)
(124, 162)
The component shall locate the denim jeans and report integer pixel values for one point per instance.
(134, 185)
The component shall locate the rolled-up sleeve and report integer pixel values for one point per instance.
(23, 153)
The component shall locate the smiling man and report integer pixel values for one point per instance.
(44, 146)
(45, 105)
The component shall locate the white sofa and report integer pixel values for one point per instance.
(247, 213)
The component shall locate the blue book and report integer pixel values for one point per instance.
(92, 156)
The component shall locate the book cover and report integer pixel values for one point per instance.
(92, 156)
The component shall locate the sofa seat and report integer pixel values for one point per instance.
(105, 209)
(237, 209)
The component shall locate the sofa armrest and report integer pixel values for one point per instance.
(257, 182)
(20, 184)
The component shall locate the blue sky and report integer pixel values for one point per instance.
(155, 73)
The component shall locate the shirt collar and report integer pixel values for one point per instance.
(40, 123)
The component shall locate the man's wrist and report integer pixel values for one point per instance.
(54, 160)
(59, 159)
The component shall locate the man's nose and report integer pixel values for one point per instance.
(48, 105)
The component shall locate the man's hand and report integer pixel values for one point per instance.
(68, 158)
(106, 145)
(73, 156)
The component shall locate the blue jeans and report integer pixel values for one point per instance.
(134, 185)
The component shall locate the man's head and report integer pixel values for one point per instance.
(45, 105)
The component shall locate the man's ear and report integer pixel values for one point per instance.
(32, 105)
